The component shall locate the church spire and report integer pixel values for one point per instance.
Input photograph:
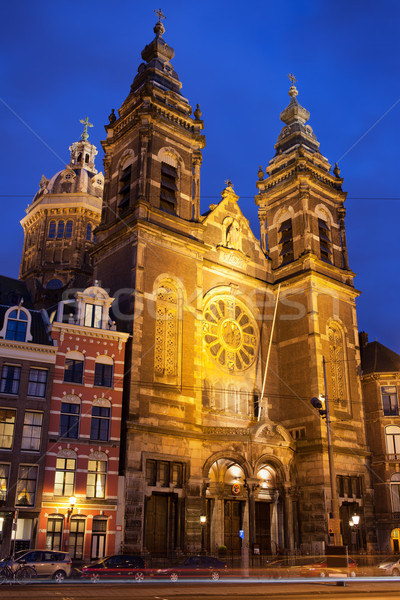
(296, 132)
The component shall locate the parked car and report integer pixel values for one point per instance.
(195, 566)
(389, 566)
(115, 567)
(47, 563)
(287, 567)
(321, 569)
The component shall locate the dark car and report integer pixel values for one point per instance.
(195, 566)
(115, 567)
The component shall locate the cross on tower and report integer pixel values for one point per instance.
(292, 78)
(160, 14)
(86, 123)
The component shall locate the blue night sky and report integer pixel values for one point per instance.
(68, 60)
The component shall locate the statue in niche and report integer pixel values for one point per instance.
(232, 234)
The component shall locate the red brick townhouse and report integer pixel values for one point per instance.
(82, 502)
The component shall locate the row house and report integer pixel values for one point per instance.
(27, 358)
(381, 385)
(82, 507)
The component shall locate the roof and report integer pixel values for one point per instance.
(12, 290)
(376, 358)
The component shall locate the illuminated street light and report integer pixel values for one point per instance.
(72, 502)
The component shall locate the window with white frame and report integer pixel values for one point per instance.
(17, 325)
(392, 434)
(64, 481)
(7, 424)
(70, 417)
(4, 474)
(93, 315)
(37, 382)
(26, 485)
(100, 424)
(103, 371)
(10, 377)
(32, 431)
(97, 475)
(389, 400)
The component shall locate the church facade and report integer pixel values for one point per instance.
(227, 329)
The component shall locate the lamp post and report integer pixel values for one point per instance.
(203, 521)
(72, 502)
(354, 521)
(317, 403)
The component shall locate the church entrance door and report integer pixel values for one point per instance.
(263, 527)
(233, 511)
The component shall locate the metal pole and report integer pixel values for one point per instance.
(261, 406)
(332, 472)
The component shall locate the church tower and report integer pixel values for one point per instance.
(301, 212)
(59, 225)
(152, 163)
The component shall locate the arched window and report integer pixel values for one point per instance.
(74, 363)
(167, 333)
(89, 232)
(64, 481)
(97, 475)
(337, 365)
(76, 537)
(169, 184)
(17, 324)
(395, 491)
(60, 229)
(52, 230)
(103, 371)
(392, 434)
(70, 416)
(100, 424)
(324, 240)
(68, 229)
(285, 233)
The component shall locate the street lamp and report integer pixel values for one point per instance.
(324, 412)
(203, 521)
(72, 502)
(354, 521)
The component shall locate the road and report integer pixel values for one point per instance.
(238, 590)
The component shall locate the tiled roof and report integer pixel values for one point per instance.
(376, 358)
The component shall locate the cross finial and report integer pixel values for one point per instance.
(160, 14)
(292, 78)
(86, 123)
(228, 183)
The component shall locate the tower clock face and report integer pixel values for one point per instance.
(230, 333)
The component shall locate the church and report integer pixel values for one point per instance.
(228, 328)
